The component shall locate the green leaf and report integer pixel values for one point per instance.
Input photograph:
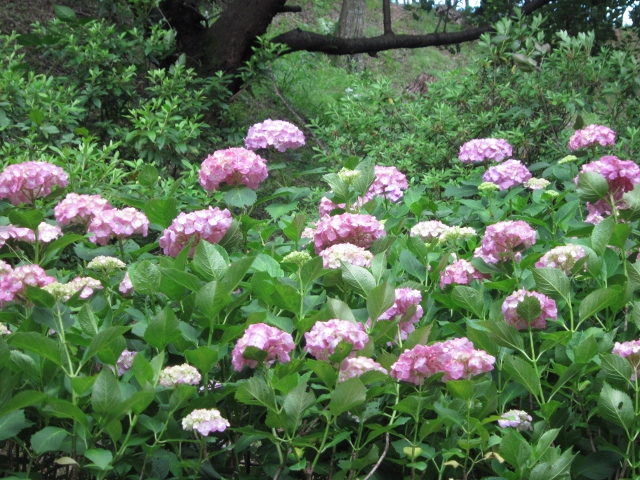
(254, 353)
(338, 186)
(183, 279)
(617, 370)
(295, 404)
(145, 277)
(38, 344)
(597, 301)
(347, 395)
(358, 278)
(601, 235)
(63, 409)
(26, 398)
(504, 334)
(529, 309)
(180, 395)
(632, 202)
(413, 266)
(161, 212)
(148, 176)
(616, 407)
(203, 358)
(40, 297)
(212, 298)
(236, 273)
(553, 282)
(592, 187)
(340, 352)
(26, 218)
(276, 210)
(522, 373)
(100, 457)
(380, 299)
(103, 339)
(88, 321)
(468, 298)
(462, 389)
(211, 261)
(163, 329)
(574, 371)
(340, 310)
(55, 248)
(240, 197)
(255, 391)
(295, 227)
(311, 271)
(586, 349)
(64, 13)
(324, 371)
(49, 439)
(106, 393)
(12, 424)
(515, 449)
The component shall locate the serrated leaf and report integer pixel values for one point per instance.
(212, 261)
(295, 404)
(49, 439)
(553, 282)
(161, 211)
(601, 235)
(592, 187)
(615, 406)
(469, 299)
(529, 308)
(100, 457)
(522, 373)
(240, 197)
(379, 300)
(26, 218)
(38, 344)
(617, 370)
(145, 277)
(255, 391)
(347, 395)
(64, 13)
(102, 339)
(358, 278)
(162, 329)
(106, 393)
(12, 424)
(597, 301)
(503, 334)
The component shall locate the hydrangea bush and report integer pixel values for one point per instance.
(494, 337)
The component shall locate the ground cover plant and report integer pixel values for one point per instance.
(496, 339)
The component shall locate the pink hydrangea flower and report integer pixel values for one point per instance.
(5, 267)
(179, 374)
(326, 206)
(405, 297)
(274, 133)
(507, 174)
(563, 258)
(233, 166)
(64, 291)
(456, 358)
(516, 419)
(483, 149)
(126, 287)
(125, 361)
(211, 225)
(205, 421)
(501, 239)
(48, 233)
(592, 135)
(13, 284)
(630, 351)
(357, 229)
(11, 232)
(356, 366)
(272, 340)
(460, 272)
(324, 337)
(510, 310)
(345, 252)
(4, 330)
(25, 182)
(429, 230)
(389, 183)
(79, 209)
(117, 223)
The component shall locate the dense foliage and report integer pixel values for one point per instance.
(153, 326)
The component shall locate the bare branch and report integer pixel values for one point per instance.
(386, 13)
(379, 462)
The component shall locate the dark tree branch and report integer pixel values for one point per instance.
(298, 39)
(290, 9)
(386, 13)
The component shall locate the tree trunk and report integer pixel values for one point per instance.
(351, 25)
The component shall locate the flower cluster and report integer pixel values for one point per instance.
(510, 310)
(274, 133)
(106, 264)
(25, 182)
(179, 374)
(117, 223)
(359, 230)
(501, 239)
(483, 149)
(405, 297)
(345, 252)
(456, 358)
(48, 233)
(326, 206)
(592, 135)
(452, 234)
(126, 287)
(621, 175)
(79, 209)
(299, 258)
(4, 330)
(537, 183)
(460, 272)
(630, 351)
(125, 361)
(233, 166)
(355, 367)
(517, 419)
(272, 340)
(349, 176)
(429, 230)
(389, 183)
(64, 291)
(11, 232)
(13, 283)
(563, 258)
(507, 174)
(324, 337)
(205, 421)
(210, 225)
